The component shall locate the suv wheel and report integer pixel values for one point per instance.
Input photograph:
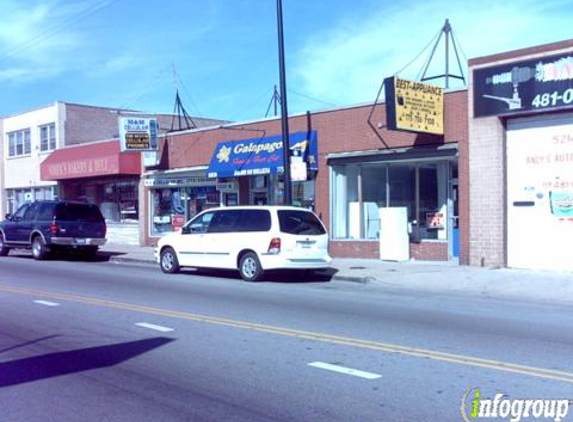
(39, 248)
(168, 261)
(3, 248)
(250, 267)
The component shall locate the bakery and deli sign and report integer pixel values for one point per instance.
(538, 84)
(87, 167)
(414, 106)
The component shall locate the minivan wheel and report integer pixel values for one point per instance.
(3, 249)
(168, 261)
(39, 248)
(250, 267)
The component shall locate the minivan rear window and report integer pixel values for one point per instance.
(300, 222)
(79, 212)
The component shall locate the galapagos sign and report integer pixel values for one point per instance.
(414, 106)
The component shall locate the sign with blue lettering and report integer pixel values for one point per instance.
(261, 155)
(138, 134)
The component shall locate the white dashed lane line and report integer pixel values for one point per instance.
(46, 303)
(344, 370)
(154, 327)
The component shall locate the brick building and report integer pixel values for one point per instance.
(71, 151)
(359, 167)
(521, 158)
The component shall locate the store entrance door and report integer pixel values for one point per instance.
(454, 232)
(260, 198)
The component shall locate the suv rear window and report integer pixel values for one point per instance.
(300, 222)
(78, 212)
(45, 212)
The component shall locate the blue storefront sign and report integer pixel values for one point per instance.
(261, 155)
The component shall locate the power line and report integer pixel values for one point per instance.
(186, 91)
(148, 87)
(55, 30)
(250, 107)
(420, 53)
(313, 99)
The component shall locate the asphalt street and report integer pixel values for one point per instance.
(97, 341)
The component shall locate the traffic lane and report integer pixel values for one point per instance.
(72, 367)
(247, 374)
(523, 333)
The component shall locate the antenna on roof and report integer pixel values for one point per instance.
(448, 36)
(276, 100)
(180, 115)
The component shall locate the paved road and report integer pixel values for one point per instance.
(95, 341)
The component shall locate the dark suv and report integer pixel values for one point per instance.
(46, 226)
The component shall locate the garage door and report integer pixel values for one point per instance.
(540, 193)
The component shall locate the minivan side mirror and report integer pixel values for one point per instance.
(9, 217)
(186, 229)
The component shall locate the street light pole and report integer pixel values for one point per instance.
(284, 111)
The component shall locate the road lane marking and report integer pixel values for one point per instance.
(46, 303)
(154, 327)
(344, 370)
(466, 360)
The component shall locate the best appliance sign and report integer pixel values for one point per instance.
(138, 134)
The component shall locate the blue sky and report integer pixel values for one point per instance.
(120, 53)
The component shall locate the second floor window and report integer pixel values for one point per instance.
(19, 143)
(48, 137)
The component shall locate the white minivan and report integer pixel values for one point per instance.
(251, 239)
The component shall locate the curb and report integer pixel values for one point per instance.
(121, 260)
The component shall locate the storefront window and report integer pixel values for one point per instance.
(15, 198)
(118, 199)
(303, 194)
(172, 207)
(402, 192)
(358, 190)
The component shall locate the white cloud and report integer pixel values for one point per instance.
(37, 40)
(347, 63)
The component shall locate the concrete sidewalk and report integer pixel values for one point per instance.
(424, 276)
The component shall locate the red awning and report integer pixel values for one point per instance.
(90, 160)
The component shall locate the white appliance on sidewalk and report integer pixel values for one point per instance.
(394, 239)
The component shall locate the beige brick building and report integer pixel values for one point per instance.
(520, 106)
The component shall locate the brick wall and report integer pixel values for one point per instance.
(354, 249)
(486, 169)
(342, 130)
(88, 124)
(427, 251)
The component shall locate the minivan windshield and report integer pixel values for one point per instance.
(300, 222)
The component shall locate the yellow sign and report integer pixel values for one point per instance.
(414, 106)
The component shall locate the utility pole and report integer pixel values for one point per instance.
(284, 112)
